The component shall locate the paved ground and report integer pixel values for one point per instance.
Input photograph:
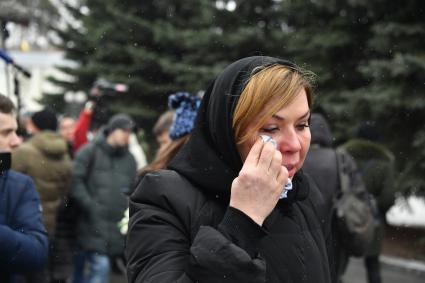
(405, 242)
(390, 273)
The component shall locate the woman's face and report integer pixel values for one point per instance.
(290, 129)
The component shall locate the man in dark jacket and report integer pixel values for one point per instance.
(45, 158)
(322, 165)
(104, 171)
(23, 244)
(376, 162)
(320, 162)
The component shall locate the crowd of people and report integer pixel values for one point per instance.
(77, 190)
(242, 188)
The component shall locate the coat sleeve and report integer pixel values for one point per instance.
(160, 248)
(79, 191)
(24, 244)
(81, 129)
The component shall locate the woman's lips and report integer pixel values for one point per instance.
(291, 169)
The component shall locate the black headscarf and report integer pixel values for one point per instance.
(210, 158)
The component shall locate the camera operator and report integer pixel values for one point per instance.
(96, 111)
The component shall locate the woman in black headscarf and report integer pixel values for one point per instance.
(221, 213)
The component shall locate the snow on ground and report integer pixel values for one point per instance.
(407, 212)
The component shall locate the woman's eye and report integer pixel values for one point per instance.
(303, 126)
(269, 130)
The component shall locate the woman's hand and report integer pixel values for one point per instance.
(256, 190)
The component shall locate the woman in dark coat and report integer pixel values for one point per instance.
(220, 212)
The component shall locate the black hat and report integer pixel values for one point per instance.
(120, 121)
(45, 120)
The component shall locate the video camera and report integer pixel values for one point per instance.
(103, 87)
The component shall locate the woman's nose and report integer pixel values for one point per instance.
(289, 141)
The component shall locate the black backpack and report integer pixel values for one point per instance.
(355, 208)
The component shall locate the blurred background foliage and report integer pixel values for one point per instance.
(369, 58)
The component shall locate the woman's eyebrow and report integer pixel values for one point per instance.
(280, 118)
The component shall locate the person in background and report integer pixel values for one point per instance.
(137, 151)
(322, 166)
(63, 243)
(23, 237)
(161, 129)
(376, 163)
(23, 120)
(233, 205)
(67, 131)
(184, 107)
(104, 172)
(45, 158)
(83, 134)
(321, 162)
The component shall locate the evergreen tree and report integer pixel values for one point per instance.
(369, 59)
(330, 38)
(250, 28)
(160, 47)
(395, 94)
(155, 47)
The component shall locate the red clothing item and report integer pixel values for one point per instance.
(82, 128)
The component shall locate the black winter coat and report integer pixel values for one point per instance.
(102, 176)
(184, 235)
(321, 165)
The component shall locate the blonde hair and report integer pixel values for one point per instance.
(277, 83)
